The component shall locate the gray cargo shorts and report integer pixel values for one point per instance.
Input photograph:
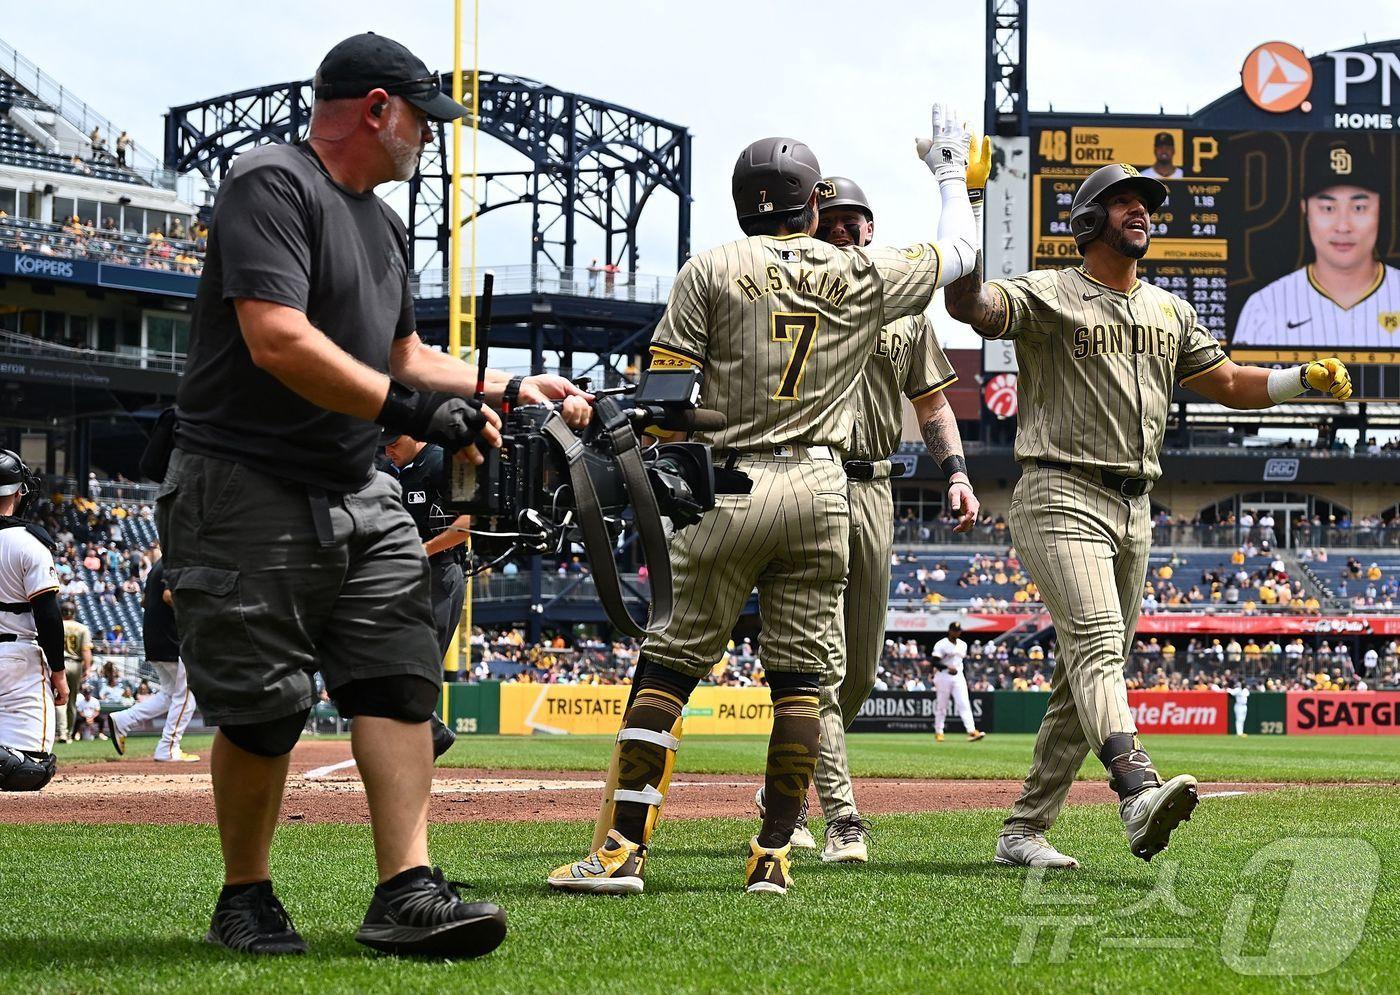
(261, 605)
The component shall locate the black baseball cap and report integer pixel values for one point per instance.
(1337, 161)
(955, 627)
(1164, 138)
(362, 63)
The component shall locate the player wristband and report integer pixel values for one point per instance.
(954, 464)
(1287, 383)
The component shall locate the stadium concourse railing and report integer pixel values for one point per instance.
(18, 344)
(1167, 535)
(573, 281)
(53, 96)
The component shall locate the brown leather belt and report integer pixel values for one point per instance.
(1126, 486)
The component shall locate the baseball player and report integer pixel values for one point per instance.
(782, 326)
(1100, 354)
(951, 685)
(173, 700)
(32, 678)
(907, 361)
(1241, 695)
(1346, 297)
(77, 662)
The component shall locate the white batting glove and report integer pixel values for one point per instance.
(946, 153)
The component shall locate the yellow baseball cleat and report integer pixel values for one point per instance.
(768, 870)
(973, 737)
(615, 868)
(938, 737)
(179, 757)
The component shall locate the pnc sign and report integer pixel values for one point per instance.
(1277, 77)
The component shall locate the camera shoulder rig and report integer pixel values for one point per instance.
(589, 518)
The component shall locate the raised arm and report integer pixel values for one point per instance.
(946, 155)
(978, 304)
(1250, 388)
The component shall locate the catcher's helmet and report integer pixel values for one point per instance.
(16, 478)
(1087, 214)
(774, 176)
(837, 191)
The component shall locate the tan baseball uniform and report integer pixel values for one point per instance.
(782, 327)
(1097, 369)
(908, 361)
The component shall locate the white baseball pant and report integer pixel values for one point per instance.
(173, 700)
(954, 687)
(26, 699)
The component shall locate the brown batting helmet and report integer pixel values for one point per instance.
(1087, 214)
(838, 191)
(774, 176)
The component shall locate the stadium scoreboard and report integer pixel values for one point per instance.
(1191, 232)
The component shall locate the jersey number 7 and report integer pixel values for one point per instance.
(800, 329)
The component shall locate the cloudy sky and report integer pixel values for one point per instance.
(853, 80)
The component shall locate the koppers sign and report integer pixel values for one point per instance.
(1331, 713)
(1158, 712)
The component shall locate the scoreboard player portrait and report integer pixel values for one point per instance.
(1164, 165)
(1344, 295)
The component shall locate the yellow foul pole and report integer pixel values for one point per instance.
(454, 281)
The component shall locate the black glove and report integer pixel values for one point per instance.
(431, 416)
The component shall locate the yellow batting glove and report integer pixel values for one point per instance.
(979, 162)
(1329, 374)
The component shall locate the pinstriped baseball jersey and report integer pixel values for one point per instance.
(782, 326)
(1097, 367)
(1295, 310)
(908, 360)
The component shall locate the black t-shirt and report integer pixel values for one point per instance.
(158, 619)
(284, 231)
(421, 496)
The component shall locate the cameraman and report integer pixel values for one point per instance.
(286, 552)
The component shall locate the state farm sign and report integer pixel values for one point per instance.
(1157, 712)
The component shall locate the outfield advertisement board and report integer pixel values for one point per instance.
(1195, 712)
(585, 709)
(913, 711)
(1333, 713)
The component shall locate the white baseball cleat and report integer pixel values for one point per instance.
(1150, 815)
(1030, 850)
(846, 838)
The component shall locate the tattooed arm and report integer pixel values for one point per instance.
(940, 431)
(978, 304)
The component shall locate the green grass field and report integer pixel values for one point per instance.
(1210, 758)
(122, 908)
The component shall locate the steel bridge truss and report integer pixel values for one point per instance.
(591, 161)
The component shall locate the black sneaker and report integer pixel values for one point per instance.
(443, 737)
(426, 917)
(254, 922)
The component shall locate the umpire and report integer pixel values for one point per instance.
(286, 551)
(418, 467)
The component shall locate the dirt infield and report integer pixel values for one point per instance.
(146, 792)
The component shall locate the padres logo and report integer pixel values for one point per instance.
(1341, 162)
(826, 189)
(1277, 77)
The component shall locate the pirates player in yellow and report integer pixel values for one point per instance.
(782, 326)
(908, 361)
(1100, 353)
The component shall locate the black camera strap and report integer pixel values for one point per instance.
(646, 514)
